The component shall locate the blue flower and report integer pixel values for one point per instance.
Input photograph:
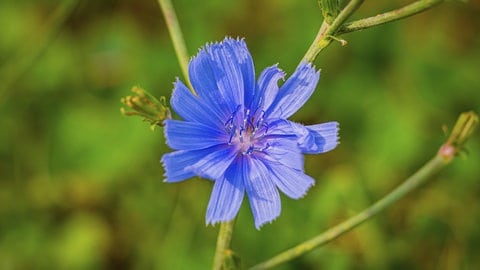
(235, 132)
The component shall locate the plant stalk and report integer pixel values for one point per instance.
(464, 128)
(177, 38)
(326, 32)
(397, 14)
(223, 244)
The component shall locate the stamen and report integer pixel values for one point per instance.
(243, 131)
(246, 118)
(260, 119)
(265, 125)
(241, 135)
(259, 105)
(232, 134)
(266, 147)
(229, 124)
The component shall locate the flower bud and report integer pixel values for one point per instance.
(147, 106)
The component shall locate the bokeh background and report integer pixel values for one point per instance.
(81, 185)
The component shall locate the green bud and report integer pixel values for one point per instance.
(330, 9)
(145, 105)
(466, 124)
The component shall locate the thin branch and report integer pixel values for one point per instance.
(323, 38)
(390, 16)
(177, 38)
(463, 129)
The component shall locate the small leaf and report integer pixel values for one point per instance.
(330, 9)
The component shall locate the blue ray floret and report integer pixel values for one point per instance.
(235, 132)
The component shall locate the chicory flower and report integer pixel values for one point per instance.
(235, 132)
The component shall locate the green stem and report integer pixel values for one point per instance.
(11, 72)
(390, 16)
(323, 38)
(410, 184)
(177, 38)
(327, 32)
(466, 124)
(223, 251)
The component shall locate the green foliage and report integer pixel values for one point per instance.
(81, 185)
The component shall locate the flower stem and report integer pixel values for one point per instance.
(328, 32)
(463, 129)
(324, 36)
(390, 16)
(223, 252)
(177, 38)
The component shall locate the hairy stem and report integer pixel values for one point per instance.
(223, 244)
(177, 38)
(390, 16)
(463, 129)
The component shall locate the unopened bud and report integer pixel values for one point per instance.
(145, 105)
(466, 124)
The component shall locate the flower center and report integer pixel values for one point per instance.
(247, 131)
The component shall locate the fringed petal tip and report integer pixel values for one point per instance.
(165, 175)
(177, 80)
(309, 66)
(178, 83)
(332, 136)
(304, 192)
(259, 225)
(227, 39)
(178, 164)
(215, 222)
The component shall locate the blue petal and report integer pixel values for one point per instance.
(223, 73)
(175, 163)
(282, 128)
(242, 55)
(292, 182)
(267, 87)
(194, 109)
(320, 138)
(314, 139)
(285, 151)
(294, 92)
(227, 195)
(181, 135)
(261, 191)
(214, 164)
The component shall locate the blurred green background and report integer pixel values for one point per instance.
(81, 185)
